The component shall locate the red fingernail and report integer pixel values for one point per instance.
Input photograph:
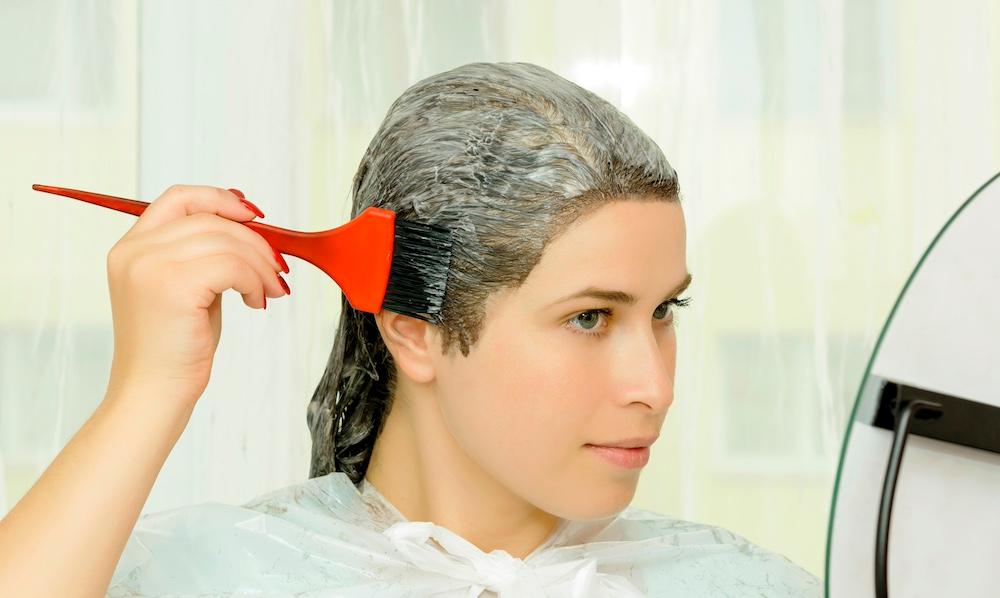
(284, 285)
(280, 260)
(238, 193)
(265, 301)
(253, 208)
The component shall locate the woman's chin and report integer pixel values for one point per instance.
(599, 500)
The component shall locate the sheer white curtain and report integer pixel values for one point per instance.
(820, 145)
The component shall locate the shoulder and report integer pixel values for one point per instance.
(212, 548)
(692, 558)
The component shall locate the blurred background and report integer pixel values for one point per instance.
(820, 147)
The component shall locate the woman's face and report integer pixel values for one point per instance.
(550, 374)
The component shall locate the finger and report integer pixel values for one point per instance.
(214, 274)
(183, 200)
(197, 223)
(216, 242)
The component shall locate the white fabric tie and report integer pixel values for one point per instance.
(500, 572)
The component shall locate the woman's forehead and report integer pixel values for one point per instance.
(626, 245)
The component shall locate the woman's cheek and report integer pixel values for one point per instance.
(560, 384)
(532, 386)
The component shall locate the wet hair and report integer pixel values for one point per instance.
(505, 155)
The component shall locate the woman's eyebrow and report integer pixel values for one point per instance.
(622, 297)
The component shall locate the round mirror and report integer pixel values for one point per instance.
(915, 504)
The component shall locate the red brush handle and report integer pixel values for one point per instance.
(356, 255)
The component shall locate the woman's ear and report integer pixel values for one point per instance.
(411, 342)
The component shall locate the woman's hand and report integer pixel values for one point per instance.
(166, 277)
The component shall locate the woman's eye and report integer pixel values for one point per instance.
(589, 319)
(661, 311)
(588, 322)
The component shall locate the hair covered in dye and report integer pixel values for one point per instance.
(504, 155)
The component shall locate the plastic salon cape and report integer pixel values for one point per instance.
(326, 537)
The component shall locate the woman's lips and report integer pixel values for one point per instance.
(629, 458)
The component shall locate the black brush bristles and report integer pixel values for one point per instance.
(418, 276)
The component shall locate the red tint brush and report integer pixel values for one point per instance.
(378, 262)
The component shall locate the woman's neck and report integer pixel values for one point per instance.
(418, 467)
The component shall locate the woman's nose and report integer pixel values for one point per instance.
(646, 371)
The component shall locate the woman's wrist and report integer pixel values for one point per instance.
(154, 395)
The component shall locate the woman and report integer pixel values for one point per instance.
(469, 454)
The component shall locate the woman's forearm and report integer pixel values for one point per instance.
(65, 536)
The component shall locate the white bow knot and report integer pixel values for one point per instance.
(498, 571)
